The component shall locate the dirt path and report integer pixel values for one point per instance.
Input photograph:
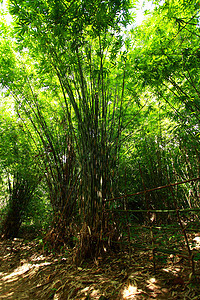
(26, 273)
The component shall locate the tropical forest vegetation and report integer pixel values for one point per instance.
(100, 149)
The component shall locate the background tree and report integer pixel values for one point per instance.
(164, 65)
(18, 171)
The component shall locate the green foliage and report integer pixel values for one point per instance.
(93, 120)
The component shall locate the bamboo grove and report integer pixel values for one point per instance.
(94, 107)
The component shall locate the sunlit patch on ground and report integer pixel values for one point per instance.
(21, 270)
(154, 287)
(130, 292)
(37, 258)
(172, 270)
(17, 272)
(95, 294)
(196, 242)
(8, 294)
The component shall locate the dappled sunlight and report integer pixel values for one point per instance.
(95, 294)
(130, 292)
(152, 280)
(22, 270)
(7, 255)
(171, 269)
(196, 243)
(38, 258)
(17, 272)
(154, 287)
(40, 276)
(8, 294)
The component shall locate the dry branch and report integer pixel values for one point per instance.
(153, 189)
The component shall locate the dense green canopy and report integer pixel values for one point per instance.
(100, 107)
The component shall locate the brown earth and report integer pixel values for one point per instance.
(27, 273)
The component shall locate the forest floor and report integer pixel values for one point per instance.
(27, 273)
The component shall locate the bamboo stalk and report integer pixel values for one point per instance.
(127, 221)
(153, 189)
(150, 223)
(183, 231)
(168, 228)
(156, 210)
